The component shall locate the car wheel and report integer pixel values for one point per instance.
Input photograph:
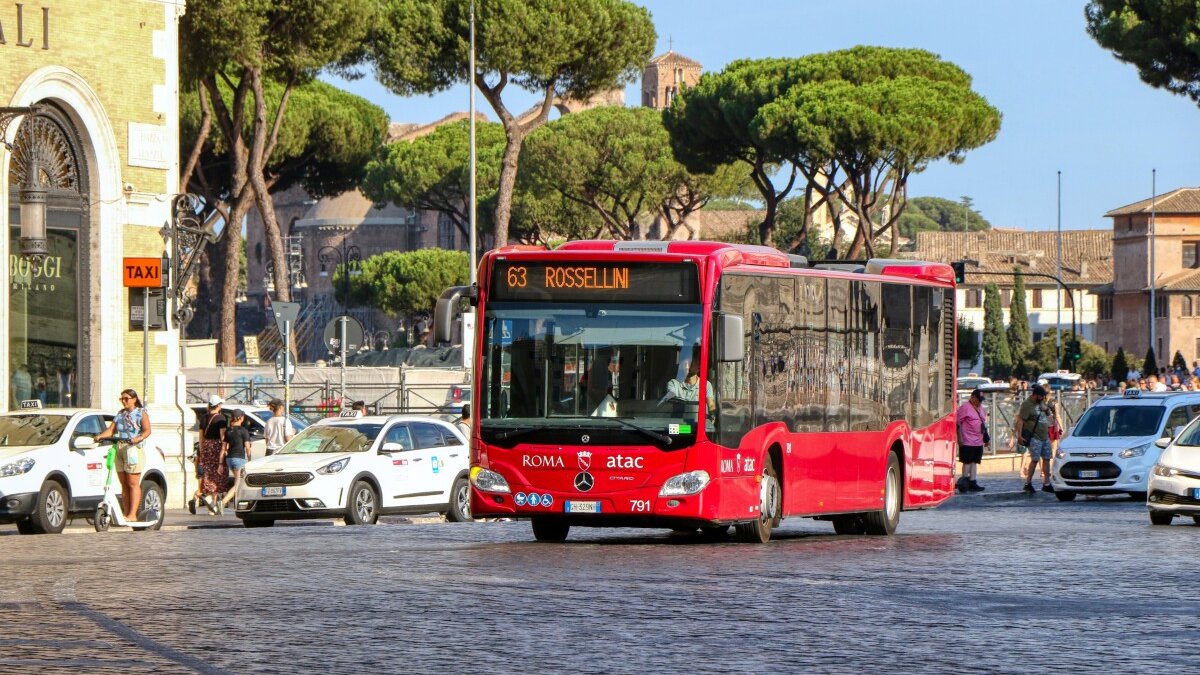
(1161, 517)
(460, 501)
(550, 529)
(849, 524)
(152, 504)
(884, 522)
(770, 508)
(1137, 496)
(363, 506)
(1064, 495)
(1196, 520)
(257, 522)
(50, 515)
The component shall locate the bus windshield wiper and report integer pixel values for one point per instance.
(661, 438)
(502, 435)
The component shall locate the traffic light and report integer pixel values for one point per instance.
(960, 271)
(1074, 351)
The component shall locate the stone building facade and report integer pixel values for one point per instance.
(1124, 317)
(665, 76)
(105, 78)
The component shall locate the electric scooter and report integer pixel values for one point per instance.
(109, 512)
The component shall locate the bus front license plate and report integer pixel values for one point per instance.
(582, 507)
(274, 491)
(1089, 473)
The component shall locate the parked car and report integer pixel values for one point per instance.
(456, 396)
(1060, 380)
(1112, 447)
(52, 469)
(973, 381)
(358, 469)
(1174, 488)
(255, 423)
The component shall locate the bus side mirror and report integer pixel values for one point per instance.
(731, 344)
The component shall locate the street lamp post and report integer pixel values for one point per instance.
(350, 257)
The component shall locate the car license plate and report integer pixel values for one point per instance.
(1089, 473)
(1195, 493)
(581, 507)
(274, 491)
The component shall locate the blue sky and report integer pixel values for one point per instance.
(1068, 104)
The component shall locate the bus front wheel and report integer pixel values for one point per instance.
(769, 510)
(550, 529)
(884, 521)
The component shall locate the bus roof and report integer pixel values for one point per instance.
(731, 255)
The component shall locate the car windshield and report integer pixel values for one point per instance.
(38, 429)
(331, 438)
(1119, 421)
(584, 364)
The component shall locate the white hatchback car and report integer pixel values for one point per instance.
(1112, 447)
(52, 469)
(1174, 488)
(358, 469)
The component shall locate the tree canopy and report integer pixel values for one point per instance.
(432, 172)
(559, 49)
(402, 283)
(935, 213)
(1158, 37)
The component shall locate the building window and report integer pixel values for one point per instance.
(1006, 297)
(445, 232)
(974, 298)
(1106, 345)
(1070, 298)
(1198, 348)
(1106, 308)
(1158, 350)
(1037, 337)
(1185, 305)
(1160, 307)
(1189, 254)
(1037, 298)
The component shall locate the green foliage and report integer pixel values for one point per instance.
(1158, 37)
(791, 234)
(967, 339)
(1179, 363)
(433, 172)
(1019, 338)
(556, 48)
(327, 140)
(1150, 363)
(938, 214)
(997, 359)
(1095, 362)
(544, 219)
(403, 283)
(1120, 365)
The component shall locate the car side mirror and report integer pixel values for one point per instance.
(84, 443)
(389, 448)
(730, 338)
(1163, 442)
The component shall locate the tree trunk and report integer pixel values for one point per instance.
(508, 181)
(262, 194)
(230, 247)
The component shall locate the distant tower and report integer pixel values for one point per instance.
(665, 76)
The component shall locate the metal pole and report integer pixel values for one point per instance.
(471, 192)
(1058, 316)
(287, 366)
(342, 358)
(1153, 313)
(146, 343)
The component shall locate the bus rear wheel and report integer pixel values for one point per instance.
(884, 521)
(550, 529)
(770, 508)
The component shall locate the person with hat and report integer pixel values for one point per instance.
(972, 437)
(210, 467)
(1032, 427)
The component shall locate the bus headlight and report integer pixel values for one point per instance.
(685, 484)
(488, 480)
(1133, 452)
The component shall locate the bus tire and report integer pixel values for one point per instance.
(550, 529)
(849, 524)
(770, 507)
(884, 521)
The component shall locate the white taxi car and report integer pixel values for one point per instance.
(357, 469)
(52, 469)
(1174, 488)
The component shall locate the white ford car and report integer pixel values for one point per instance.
(51, 468)
(358, 469)
(1112, 447)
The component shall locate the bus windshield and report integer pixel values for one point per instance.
(590, 364)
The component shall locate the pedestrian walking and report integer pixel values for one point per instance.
(1033, 429)
(131, 427)
(237, 453)
(279, 431)
(213, 474)
(972, 438)
(464, 423)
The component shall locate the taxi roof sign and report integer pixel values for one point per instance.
(31, 403)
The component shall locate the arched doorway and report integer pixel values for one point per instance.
(45, 299)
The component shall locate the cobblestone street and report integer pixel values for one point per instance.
(976, 586)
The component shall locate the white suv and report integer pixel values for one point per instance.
(51, 468)
(1112, 449)
(358, 469)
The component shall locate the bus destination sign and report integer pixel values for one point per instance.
(576, 281)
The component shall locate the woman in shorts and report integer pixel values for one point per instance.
(131, 427)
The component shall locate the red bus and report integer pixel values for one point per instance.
(693, 384)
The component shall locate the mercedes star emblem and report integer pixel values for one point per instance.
(584, 481)
(586, 439)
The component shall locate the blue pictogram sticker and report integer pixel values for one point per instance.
(547, 500)
(519, 498)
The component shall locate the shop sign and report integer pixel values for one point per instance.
(23, 21)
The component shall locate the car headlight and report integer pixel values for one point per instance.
(1165, 471)
(488, 480)
(17, 468)
(334, 467)
(685, 484)
(1060, 454)
(1133, 452)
